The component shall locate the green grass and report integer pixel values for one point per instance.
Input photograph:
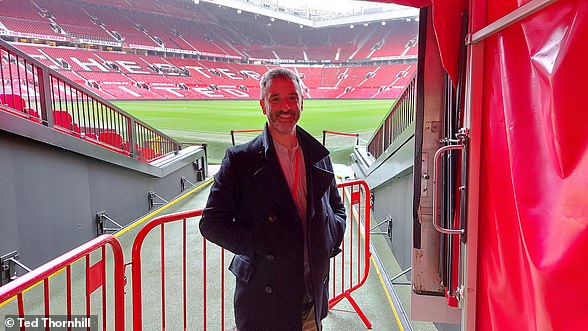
(211, 121)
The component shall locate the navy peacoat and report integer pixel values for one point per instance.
(251, 212)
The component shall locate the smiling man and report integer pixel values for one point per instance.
(275, 204)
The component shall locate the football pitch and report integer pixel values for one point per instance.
(211, 121)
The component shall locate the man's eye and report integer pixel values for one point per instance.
(275, 100)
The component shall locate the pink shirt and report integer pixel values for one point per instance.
(292, 162)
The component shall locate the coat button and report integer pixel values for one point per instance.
(268, 290)
(269, 257)
(271, 218)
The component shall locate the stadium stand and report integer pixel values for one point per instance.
(38, 55)
(30, 28)
(180, 50)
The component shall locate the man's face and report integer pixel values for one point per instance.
(282, 105)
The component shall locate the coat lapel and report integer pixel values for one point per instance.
(271, 179)
(272, 183)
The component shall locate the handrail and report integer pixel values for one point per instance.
(400, 116)
(46, 96)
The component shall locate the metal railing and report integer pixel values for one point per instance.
(82, 279)
(242, 131)
(399, 118)
(196, 279)
(327, 132)
(185, 275)
(31, 90)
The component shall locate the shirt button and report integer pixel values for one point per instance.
(271, 218)
(268, 290)
(269, 257)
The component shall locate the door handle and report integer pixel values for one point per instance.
(436, 171)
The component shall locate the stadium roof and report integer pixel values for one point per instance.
(322, 13)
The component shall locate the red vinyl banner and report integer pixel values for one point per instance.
(447, 25)
(533, 225)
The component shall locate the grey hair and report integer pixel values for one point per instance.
(278, 72)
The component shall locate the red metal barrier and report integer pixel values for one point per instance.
(350, 269)
(197, 275)
(206, 276)
(325, 132)
(95, 278)
(241, 131)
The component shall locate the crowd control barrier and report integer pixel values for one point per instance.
(69, 287)
(178, 277)
(191, 274)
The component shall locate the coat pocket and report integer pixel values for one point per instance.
(242, 267)
(335, 231)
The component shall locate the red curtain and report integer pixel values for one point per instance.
(447, 25)
(533, 225)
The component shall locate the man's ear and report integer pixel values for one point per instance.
(262, 104)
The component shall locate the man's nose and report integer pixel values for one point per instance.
(286, 106)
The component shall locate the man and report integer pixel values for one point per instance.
(275, 204)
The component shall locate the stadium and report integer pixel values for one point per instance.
(182, 50)
(454, 125)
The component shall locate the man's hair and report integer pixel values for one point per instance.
(279, 72)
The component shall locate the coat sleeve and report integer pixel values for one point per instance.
(220, 221)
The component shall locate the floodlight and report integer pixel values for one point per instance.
(239, 11)
(383, 23)
(351, 26)
(272, 19)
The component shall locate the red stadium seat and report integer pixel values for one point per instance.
(63, 119)
(34, 116)
(146, 154)
(91, 136)
(13, 101)
(113, 139)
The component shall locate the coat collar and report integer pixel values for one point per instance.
(313, 150)
(272, 181)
